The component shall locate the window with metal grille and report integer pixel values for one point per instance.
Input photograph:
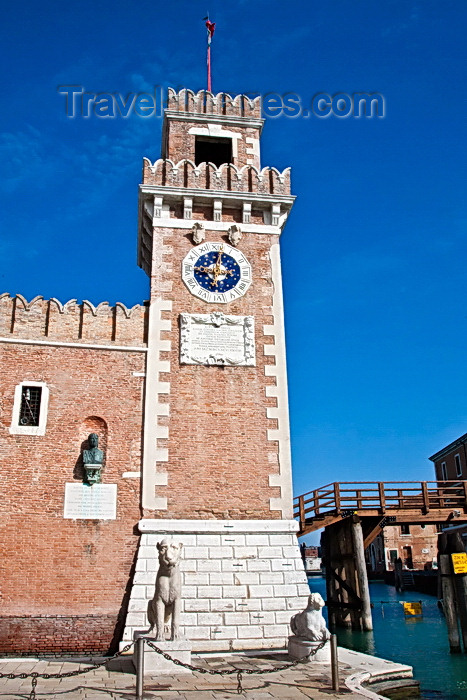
(30, 408)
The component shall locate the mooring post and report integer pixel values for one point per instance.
(334, 663)
(449, 603)
(362, 576)
(460, 583)
(398, 580)
(139, 668)
(330, 584)
(456, 545)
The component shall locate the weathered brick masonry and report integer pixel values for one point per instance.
(54, 569)
(219, 456)
(217, 430)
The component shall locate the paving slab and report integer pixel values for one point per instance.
(116, 680)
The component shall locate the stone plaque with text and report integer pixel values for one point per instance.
(217, 339)
(96, 502)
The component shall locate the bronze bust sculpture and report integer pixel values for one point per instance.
(93, 459)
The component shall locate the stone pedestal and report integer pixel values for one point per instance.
(156, 664)
(241, 581)
(299, 648)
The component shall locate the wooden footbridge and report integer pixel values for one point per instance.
(402, 501)
(352, 514)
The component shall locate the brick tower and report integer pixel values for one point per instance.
(216, 471)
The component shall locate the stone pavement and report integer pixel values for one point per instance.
(117, 680)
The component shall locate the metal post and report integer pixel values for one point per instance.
(334, 663)
(139, 668)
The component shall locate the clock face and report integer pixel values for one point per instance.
(216, 272)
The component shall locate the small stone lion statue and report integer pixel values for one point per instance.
(167, 596)
(310, 624)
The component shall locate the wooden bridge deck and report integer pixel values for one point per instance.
(396, 501)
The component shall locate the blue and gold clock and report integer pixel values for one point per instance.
(216, 272)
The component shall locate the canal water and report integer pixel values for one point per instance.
(421, 642)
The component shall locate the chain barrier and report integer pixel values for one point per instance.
(34, 675)
(236, 671)
(227, 672)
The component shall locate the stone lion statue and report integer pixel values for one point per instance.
(310, 624)
(167, 596)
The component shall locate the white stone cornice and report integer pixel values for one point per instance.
(217, 526)
(85, 346)
(258, 198)
(221, 226)
(225, 119)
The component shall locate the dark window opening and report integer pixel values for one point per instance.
(444, 472)
(30, 408)
(213, 150)
(407, 557)
(457, 460)
(405, 529)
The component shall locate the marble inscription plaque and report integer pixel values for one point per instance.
(96, 502)
(217, 339)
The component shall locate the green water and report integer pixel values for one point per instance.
(418, 642)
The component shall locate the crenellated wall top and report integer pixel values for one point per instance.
(72, 322)
(226, 177)
(205, 102)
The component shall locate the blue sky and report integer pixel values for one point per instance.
(374, 251)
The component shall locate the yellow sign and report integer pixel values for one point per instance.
(413, 608)
(459, 562)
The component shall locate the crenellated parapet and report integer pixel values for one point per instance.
(206, 176)
(204, 102)
(73, 322)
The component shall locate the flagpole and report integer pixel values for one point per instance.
(209, 68)
(210, 26)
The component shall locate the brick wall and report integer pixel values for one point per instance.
(230, 178)
(181, 144)
(210, 104)
(49, 319)
(419, 538)
(58, 635)
(53, 567)
(219, 455)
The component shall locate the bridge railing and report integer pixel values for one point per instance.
(380, 496)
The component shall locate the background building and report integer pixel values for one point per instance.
(451, 462)
(415, 545)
